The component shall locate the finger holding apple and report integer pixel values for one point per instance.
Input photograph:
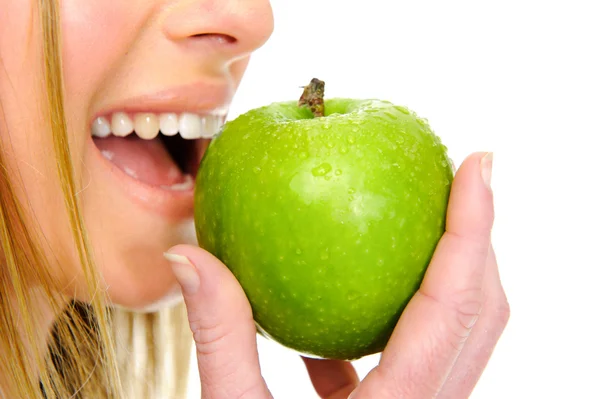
(439, 348)
(338, 229)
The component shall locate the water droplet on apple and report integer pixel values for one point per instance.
(343, 150)
(329, 144)
(351, 191)
(390, 115)
(256, 169)
(403, 110)
(298, 251)
(351, 139)
(338, 172)
(303, 155)
(352, 295)
(321, 170)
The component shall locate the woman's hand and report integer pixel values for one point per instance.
(439, 347)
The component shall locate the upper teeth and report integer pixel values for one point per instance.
(147, 125)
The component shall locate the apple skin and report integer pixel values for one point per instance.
(328, 223)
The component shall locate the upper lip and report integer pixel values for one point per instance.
(203, 98)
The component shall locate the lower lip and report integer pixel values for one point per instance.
(173, 204)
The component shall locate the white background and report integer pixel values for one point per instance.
(520, 78)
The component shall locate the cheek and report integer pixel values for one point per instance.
(237, 70)
(96, 34)
(15, 30)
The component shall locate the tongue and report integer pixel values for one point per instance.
(144, 160)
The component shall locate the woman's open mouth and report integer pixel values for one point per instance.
(158, 153)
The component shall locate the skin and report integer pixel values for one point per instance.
(115, 50)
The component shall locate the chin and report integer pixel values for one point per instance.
(163, 303)
(130, 258)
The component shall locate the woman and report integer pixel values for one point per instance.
(91, 197)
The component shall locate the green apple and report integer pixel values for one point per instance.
(328, 223)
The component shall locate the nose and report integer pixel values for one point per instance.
(234, 28)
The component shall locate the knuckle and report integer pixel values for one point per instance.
(208, 339)
(468, 312)
(502, 313)
(464, 301)
(497, 309)
(466, 305)
(461, 311)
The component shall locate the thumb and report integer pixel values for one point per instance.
(222, 326)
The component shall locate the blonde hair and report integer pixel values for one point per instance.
(94, 351)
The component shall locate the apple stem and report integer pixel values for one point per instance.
(313, 97)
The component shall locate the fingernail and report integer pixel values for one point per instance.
(185, 272)
(486, 169)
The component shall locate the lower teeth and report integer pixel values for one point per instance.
(187, 184)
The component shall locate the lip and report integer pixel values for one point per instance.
(200, 98)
